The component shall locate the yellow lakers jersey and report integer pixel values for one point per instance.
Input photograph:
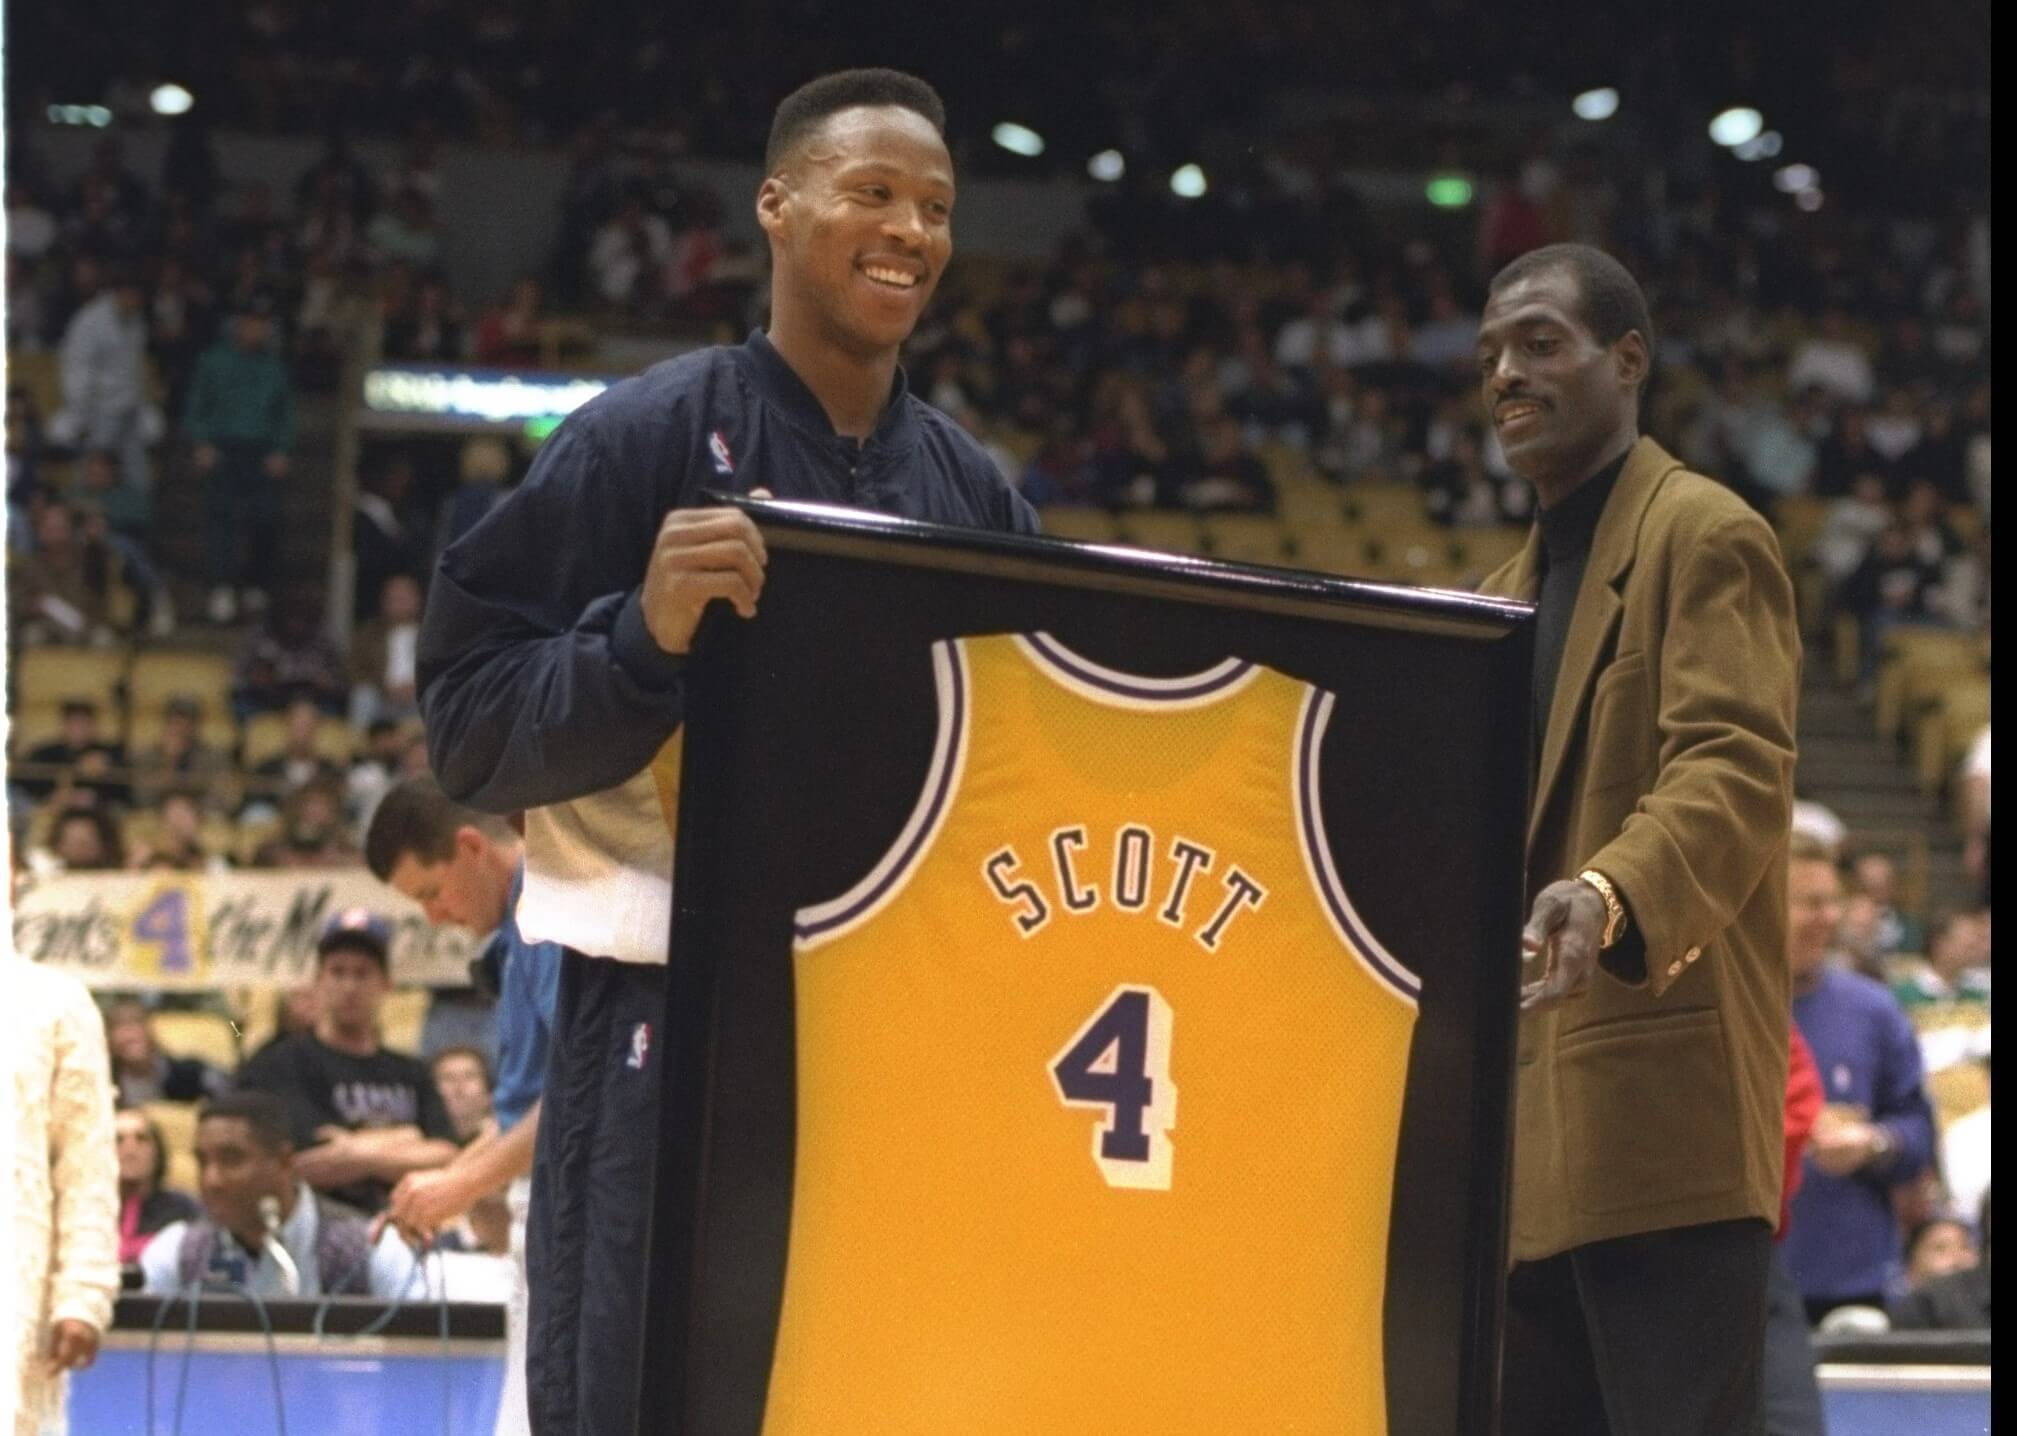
(1099, 1078)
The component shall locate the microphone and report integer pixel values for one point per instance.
(269, 1217)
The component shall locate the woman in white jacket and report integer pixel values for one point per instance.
(65, 1187)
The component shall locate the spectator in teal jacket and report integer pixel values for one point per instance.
(240, 418)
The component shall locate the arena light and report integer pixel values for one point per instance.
(1596, 104)
(95, 116)
(1188, 182)
(1107, 166)
(1793, 179)
(1764, 147)
(1018, 139)
(170, 100)
(1809, 199)
(1448, 191)
(1736, 126)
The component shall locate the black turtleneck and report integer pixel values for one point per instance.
(1567, 531)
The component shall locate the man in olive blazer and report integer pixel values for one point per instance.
(1648, 1149)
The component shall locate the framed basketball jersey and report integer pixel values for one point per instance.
(1084, 1003)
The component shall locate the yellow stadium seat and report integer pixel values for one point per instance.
(1160, 529)
(1384, 506)
(50, 675)
(1947, 729)
(1086, 525)
(37, 371)
(177, 1121)
(1966, 521)
(1336, 551)
(161, 674)
(1306, 501)
(1798, 519)
(33, 724)
(207, 1036)
(402, 1017)
(250, 838)
(1246, 538)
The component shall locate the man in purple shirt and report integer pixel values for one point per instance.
(1876, 1129)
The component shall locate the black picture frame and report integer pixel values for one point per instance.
(808, 728)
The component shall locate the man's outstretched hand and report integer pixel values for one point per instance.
(1564, 933)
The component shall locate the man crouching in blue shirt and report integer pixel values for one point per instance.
(465, 868)
(552, 653)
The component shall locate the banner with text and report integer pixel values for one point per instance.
(200, 930)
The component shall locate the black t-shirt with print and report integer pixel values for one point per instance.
(327, 1088)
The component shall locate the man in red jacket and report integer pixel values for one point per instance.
(1792, 1397)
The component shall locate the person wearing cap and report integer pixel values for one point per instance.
(362, 1117)
(240, 417)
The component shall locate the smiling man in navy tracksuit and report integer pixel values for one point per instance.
(551, 656)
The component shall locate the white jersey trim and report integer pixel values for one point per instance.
(824, 922)
(1304, 760)
(1115, 689)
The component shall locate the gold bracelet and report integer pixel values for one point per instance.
(1615, 917)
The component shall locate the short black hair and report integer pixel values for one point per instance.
(264, 1116)
(417, 819)
(806, 108)
(1611, 301)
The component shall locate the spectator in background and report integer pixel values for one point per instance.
(1230, 478)
(1956, 1302)
(246, 1158)
(145, 1205)
(120, 519)
(1964, 1155)
(381, 541)
(312, 833)
(179, 758)
(289, 658)
(430, 328)
(1956, 968)
(381, 656)
(462, 1076)
(300, 760)
(1876, 1131)
(86, 840)
(373, 770)
(104, 358)
(61, 590)
(483, 468)
(630, 256)
(176, 841)
(361, 1117)
(405, 232)
(1939, 1246)
(508, 334)
(240, 418)
(1892, 587)
(1833, 361)
(79, 757)
(63, 1185)
(1876, 877)
(142, 1072)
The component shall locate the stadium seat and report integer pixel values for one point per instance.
(1162, 530)
(159, 675)
(1087, 525)
(402, 1018)
(1246, 538)
(207, 1036)
(1947, 728)
(143, 729)
(50, 675)
(177, 1121)
(1384, 506)
(1479, 551)
(1919, 665)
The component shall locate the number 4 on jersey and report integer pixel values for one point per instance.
(1119, 1062)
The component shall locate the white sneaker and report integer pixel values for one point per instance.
(254, 600)
(223, 605)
